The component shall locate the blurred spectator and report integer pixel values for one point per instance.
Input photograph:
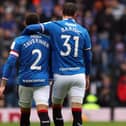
(119, 50)
(98, 7)
(8, 24)
(121, 84)
(9, 6)
(122, 25)
(117, 9)
(88, 19)
(104, 91)
(47, 6)
(123, 1)
(36, 2)
(88, 4)
(1, 12)
(43, 17)
(57, 12)
(1, 41)
(22, 5)
(94, 34)
(96, 62)
(9, 27)
(105, 21)
(104, 41)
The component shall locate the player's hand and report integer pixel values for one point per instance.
(2, 87)
(87, 82)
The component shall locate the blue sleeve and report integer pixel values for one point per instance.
(87, 52)
(88, 60)
(9, 65)
(38, 28)
(15, 47)
(48, 27)
(35, 28)
(87, 40)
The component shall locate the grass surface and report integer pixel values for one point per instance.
(69, 124)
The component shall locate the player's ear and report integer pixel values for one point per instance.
(24, 23)
(76, 15)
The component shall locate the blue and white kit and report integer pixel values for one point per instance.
(32, 54)
(70, 43)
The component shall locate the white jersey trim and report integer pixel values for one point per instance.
(12, 45)
(69, 68)
(87, 49)
(42, 26)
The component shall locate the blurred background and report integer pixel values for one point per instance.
(106, 22)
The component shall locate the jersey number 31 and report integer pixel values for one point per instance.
(68, 46)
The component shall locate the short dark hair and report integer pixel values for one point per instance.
(69, 9)
(32, 18)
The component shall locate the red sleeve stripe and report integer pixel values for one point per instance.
(14, 53)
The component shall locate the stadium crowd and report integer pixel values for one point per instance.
(105, 20)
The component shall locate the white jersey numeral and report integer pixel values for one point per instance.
(76, 38)
(68, 46)
(34, 65)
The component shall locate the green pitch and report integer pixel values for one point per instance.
(69, 124)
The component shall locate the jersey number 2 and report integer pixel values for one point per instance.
(34, 66)
(68, 46)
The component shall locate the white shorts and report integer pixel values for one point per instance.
(27, 94)
(73, 85)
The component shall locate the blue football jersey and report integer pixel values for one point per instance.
(32, 53)
(69, 42)
(71, 45)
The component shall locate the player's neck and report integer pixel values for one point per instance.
(68, 17)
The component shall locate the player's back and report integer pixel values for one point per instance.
(33, 59)
(69, 42)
